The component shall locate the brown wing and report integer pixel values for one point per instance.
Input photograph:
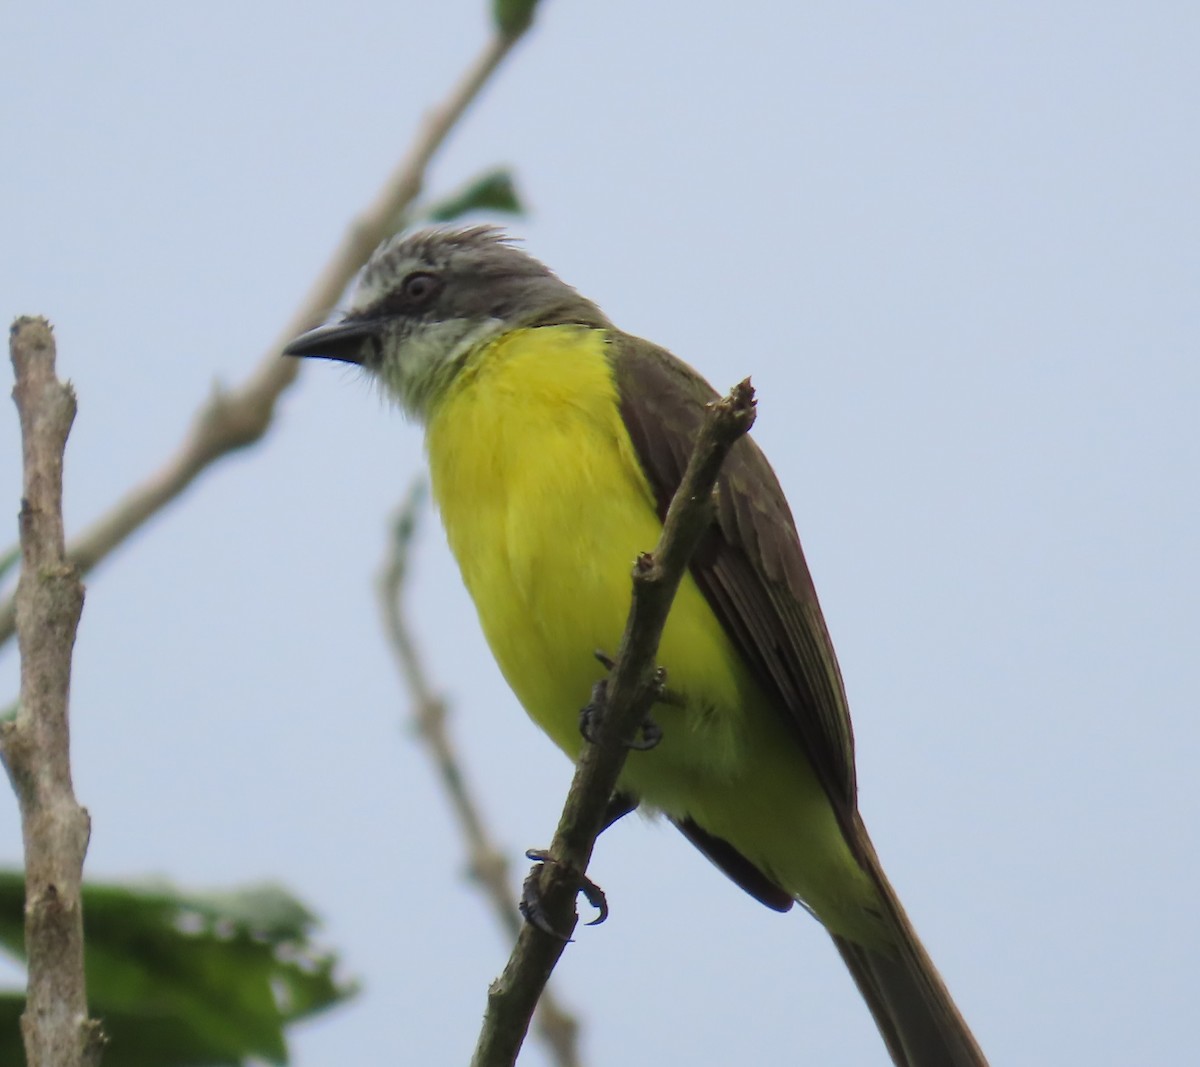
(750, 568)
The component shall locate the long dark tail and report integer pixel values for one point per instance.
(906, 995)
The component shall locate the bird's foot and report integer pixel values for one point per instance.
(649, 732)
(530, 904)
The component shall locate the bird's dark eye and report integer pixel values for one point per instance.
(420, 288)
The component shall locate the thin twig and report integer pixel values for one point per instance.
(36, 745)
(233, 419)
(631, 689)
(557, 1027)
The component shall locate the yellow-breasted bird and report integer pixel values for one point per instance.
(555, 445)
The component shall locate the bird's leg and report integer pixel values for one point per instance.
(649, 732)
(530, 904)
(592, 713)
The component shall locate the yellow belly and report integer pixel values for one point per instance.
(546, 508)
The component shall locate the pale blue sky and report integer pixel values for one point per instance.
(957, 247)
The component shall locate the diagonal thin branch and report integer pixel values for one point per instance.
(236, 418)
(557, 1027)
(630, 691)
(36, 745)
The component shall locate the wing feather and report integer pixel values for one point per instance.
(750, 568)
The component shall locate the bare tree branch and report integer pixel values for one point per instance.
(233, 419)
(36, 745)
(629, 692)
(557, 1027)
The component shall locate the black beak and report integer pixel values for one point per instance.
(344, 341)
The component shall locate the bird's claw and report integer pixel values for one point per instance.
(649, 732)
(531, 901)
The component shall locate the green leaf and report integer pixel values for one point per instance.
(12, 912)
(183, 980)
(493, 191)
(513, 17)
(11, 1048)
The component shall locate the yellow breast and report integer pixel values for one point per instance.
(546, 508)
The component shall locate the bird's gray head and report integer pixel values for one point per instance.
(425, 302)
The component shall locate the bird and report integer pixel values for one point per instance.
(555, 443)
